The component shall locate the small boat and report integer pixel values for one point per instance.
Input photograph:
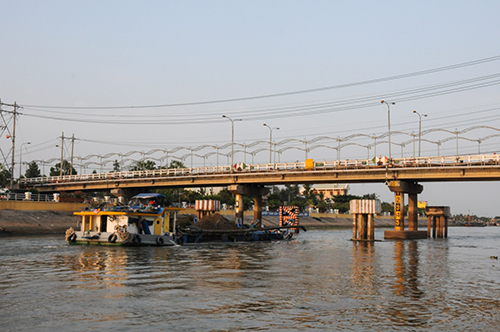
(145, 221)
(475, 224)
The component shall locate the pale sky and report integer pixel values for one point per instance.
(78, 67)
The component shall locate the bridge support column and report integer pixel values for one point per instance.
(437, 221)
(124, 194)
(239, 208)
(363, 211)
(412, 212)
(247, 190)
(412, 189)
(257, 212)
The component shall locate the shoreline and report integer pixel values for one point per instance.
(51, 222)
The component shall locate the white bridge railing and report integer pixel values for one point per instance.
(446, 161)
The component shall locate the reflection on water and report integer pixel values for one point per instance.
(320, 281)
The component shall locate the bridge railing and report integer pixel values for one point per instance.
(444, 161)
(23, 197)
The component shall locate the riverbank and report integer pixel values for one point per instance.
(31, 222)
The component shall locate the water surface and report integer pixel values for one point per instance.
(319, 281)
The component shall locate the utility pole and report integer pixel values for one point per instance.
(14, 113)
(62, 151)
(72, 149)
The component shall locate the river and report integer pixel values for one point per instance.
(319, 281)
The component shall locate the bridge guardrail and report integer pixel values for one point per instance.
(445, 161)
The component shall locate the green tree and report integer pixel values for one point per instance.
(370, 196)
(387, 207)
(274, 201)
(116, 166)
(190, 196)
(226, 197)
(67, 169)
(143, 165)
(176, 164)
(33, 171)
(4, 176)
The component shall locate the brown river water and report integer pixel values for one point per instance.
(319, 281)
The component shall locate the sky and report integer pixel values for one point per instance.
(132, 78)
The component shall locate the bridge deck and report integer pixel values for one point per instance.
(451, 168)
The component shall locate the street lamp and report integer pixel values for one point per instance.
(232, 138)
(21, 159)
(419, 129)
(270, 140)
(388, 122)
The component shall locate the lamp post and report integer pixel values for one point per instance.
(232, 138)
(388, 122)
(21, 159)
(419, 129)
(270, 140)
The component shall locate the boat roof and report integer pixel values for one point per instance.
(98, 212)
(148, 195)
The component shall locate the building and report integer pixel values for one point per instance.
(329, 190)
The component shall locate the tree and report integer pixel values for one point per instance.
(370, 196)
(176, 164)
(116, 166)
(226, 197)
(4, 176)
(143, 164)
(33, 171)
(274, 201)
(66, 169)
(387, 207)
(190, 196)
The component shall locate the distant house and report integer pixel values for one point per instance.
(329, 190)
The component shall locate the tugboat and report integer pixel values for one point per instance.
(145, 221)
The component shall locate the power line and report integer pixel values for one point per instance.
(309, 109)
(219, 101)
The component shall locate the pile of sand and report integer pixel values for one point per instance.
(215, 222)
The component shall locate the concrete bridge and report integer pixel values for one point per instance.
(401, 175)
(425, 169)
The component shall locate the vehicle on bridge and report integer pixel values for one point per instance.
(144, 221)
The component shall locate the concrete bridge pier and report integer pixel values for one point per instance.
(412, 189)
(124, 195)
(437, 221)
(248, 190)
(363, 211)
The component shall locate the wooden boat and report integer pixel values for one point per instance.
(215, 228)
(475, 224)
(145, 221)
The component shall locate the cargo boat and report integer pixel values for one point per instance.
(194, 235)
(145, 221)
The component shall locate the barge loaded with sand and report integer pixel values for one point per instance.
(145, 221)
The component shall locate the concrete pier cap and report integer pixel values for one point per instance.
(437, 221)
(363, 213)
(412, 189)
